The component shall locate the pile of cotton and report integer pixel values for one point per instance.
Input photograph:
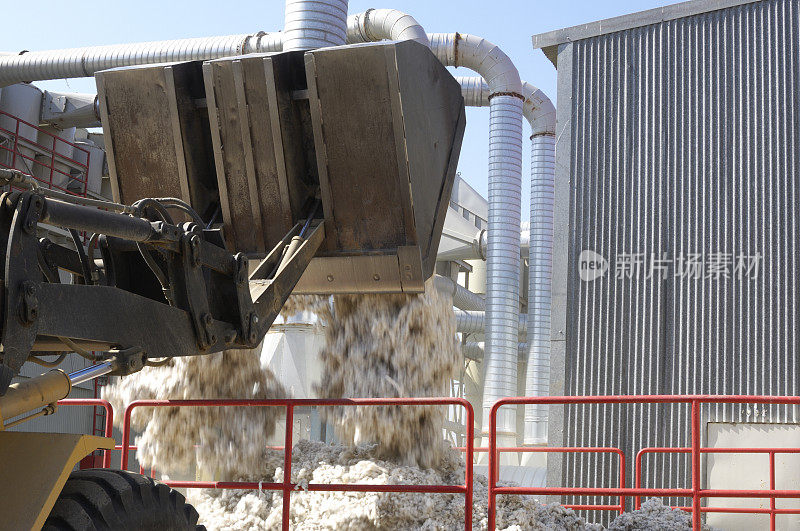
(314, 462)
(654, 516)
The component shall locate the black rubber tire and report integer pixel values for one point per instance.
(100, 499)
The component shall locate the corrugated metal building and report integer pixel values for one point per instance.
(677, 243)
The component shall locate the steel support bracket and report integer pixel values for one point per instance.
(29, 305)
(195, 291)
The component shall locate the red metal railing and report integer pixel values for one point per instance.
(772, 510)
(286, 486)
(109, 422)
(46, 159)
(696, 492)
(567, 450)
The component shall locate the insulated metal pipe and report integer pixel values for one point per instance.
(475, 350)
(474, 322)
(475, 91)
(537, 236)
(505, 191)
(310, 24)
(479, 247)
(540, 273)
(462, 297)
(542, 118)
(84, 116)
(85, 61)
(379, 24)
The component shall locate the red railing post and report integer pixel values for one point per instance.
(622, 484)
(109, 432)
(287, 466)
(468, 467)
(493, 464)
(16, 147)
(126, 435)
(696, 487)
(637, 478)
(772, 504)
(52, 162)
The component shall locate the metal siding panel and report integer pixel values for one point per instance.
(683, 139)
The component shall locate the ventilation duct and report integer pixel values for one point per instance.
(540, 260)
(310, 24)
(505, 190)
(84, 62)
(474, 322)
(538, 237)
(474, 351)
(463, 298)
(64, 110)
(379, 24)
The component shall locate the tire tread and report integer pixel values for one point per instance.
(103, 499)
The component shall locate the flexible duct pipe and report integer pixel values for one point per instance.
(379, 24)
(462, 297)
(84, 116)
(475, 91)
(478, 248)
(310, 24)
(541, 115)
(474, 322)
(505, 190)
(84, 62)
(540, 259)
(470, 322)
(474, 351)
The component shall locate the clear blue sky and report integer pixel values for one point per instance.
(46, 24)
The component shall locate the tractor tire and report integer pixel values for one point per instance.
(100, 499)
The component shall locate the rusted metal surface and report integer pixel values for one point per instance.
(157, 136)
(388, 126)
(254, 123)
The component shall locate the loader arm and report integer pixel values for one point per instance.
(164, 289)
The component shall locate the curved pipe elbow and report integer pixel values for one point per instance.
(384, 24)
(538, 110)
(481, 56)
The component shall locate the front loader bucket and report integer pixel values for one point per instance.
(371, 131)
